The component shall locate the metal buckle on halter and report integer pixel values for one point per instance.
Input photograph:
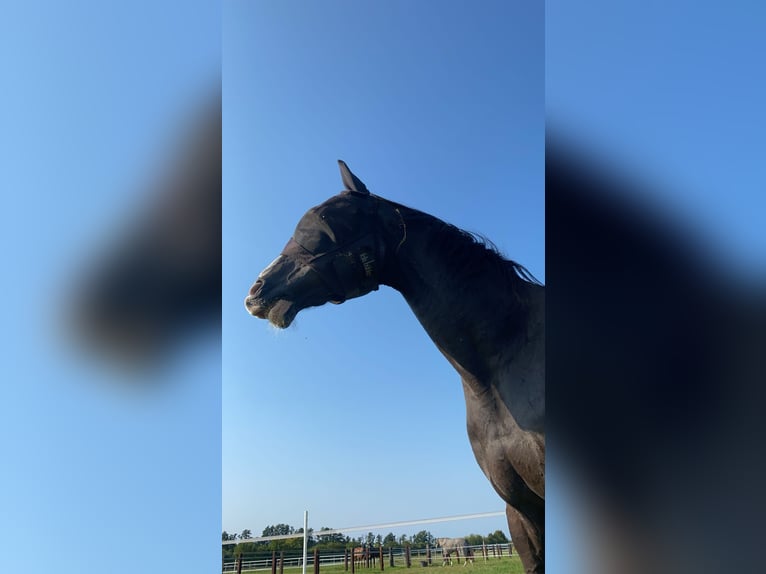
(354, 267)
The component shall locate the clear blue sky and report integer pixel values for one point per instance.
(95, 470)
(352, 413)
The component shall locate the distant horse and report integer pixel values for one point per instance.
(450, 546)
(484, 313)
(364, 555)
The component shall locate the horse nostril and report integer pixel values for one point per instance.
(256, 287)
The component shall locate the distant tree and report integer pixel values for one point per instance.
(245, 534)
(474, 539)
(423, 539)
(330, 539)
(278, 530)
(224, 536)
(228, 552)
(311, 540)
(497, 537)
(404, 540)
(390, 540)
(246, 548)
(291, 544)
(378, 540)
(370, 539)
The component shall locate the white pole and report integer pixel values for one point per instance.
(305, 538)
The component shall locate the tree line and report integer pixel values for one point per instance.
(334, 542)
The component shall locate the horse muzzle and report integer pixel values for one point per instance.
(256, 307)
(279, 313)
(256, 301)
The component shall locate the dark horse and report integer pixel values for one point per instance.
(484, 313)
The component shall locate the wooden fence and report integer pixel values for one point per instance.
(366, 558)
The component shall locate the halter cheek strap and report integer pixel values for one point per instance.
(352, 269)
(348, 271)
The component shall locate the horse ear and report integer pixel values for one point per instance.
(351, 182)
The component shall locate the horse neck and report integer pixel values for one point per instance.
(472, 319)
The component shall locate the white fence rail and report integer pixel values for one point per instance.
(369, 527)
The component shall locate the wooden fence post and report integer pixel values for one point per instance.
(428, 554)
(353, 560)
(239, 564)
(380, 551)
(282, 562)
(316, 560)
(407, 556)
(391, 556)
(273, 562)
(345, 559)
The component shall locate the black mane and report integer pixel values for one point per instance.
(471, 252)
(476, 249)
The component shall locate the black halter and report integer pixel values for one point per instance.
(350, 269)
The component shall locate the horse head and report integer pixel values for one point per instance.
(333, 255)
